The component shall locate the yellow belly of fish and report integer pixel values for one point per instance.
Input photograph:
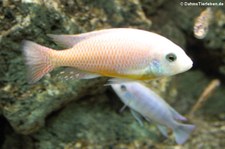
(132, 77)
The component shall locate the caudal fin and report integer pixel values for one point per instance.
(182, 132)
(37, 59)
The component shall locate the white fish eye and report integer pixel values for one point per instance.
(123, 88)
(171, 57)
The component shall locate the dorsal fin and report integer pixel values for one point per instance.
(68, 41)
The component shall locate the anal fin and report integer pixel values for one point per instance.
(73, 73)
(137, 116)
(163, 130)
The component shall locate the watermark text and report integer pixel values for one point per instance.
(203, 4)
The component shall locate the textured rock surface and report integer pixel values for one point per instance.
(95, 122)
(84, 114)
(33, 21)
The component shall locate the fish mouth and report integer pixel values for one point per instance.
(187, 64)
(190, 64)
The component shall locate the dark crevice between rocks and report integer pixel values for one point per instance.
(10, 140)
(3, 122)
(113, 100)
(204, 60)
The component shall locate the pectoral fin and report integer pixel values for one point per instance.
(68, 41)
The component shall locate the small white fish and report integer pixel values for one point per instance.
(202, 22)
(153, 108)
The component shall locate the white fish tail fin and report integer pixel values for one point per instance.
(182, 132)
(37, 59)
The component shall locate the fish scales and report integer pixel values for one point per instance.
(120, 53)
(106, 58)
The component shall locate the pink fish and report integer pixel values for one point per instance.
(202, 22)
(121, 53)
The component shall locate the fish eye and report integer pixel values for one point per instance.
(171, 57)
(123, 88)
